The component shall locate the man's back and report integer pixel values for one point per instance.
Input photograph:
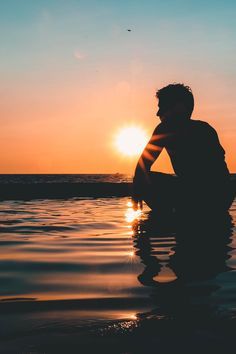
(194, 150)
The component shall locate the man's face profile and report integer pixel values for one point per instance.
(164, 112)
(171, 112)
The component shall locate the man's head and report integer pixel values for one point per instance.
(175, 102)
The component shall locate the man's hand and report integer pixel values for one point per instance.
(137, 203)
(137, 195)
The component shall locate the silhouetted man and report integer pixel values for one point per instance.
(202, 178)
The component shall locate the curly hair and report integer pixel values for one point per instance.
(174, 93)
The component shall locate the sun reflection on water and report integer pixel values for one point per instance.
(132, 258)
(129, 204)
(131, 214)
(131, 254)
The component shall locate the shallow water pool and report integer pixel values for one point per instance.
(67, 265)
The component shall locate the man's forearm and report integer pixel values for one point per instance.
(142, 170)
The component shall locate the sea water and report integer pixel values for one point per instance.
(67, 265)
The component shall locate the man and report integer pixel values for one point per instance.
(202, 178)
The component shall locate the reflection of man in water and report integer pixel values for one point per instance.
(196, 154)
(193, 251)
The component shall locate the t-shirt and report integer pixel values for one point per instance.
(194, 150)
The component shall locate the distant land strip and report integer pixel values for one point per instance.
(15, 191)
(20, 191)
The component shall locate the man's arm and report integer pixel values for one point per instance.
(149, 155)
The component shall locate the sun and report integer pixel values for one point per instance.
(130, 141)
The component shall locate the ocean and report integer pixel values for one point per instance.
(86, 274)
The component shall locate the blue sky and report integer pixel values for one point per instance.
(58, 54)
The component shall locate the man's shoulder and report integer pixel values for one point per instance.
(196, 126)
(201, 125)
(161, 128)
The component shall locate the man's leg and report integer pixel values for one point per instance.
(160, 193)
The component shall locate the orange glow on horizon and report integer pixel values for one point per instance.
(62, 132)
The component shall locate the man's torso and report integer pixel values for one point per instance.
(194, 150)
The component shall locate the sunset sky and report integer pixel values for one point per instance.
(72, 77)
